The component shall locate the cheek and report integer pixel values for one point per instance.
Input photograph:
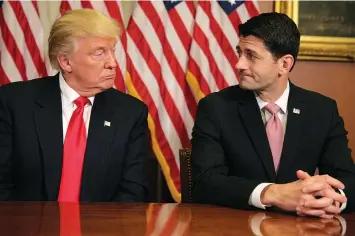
(95, 69)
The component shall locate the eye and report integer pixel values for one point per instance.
(98, 52)
(239, 52)
(251, 56)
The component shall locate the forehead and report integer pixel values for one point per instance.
(252, 43)
(96, 42)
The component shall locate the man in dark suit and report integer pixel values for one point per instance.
(72, 137)
(257, 145)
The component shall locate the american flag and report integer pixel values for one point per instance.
(158, 40)
(21, 41)
(213, 49)
(172, 54)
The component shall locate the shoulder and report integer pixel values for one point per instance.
(313, 98)
(128, 101)
(26, 89)
(226, 96)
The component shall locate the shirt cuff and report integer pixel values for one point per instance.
(254, 199)
(343, 205)
(342, 223)
(255, 222)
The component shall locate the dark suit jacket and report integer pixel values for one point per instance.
(231, 153)
(31, 144)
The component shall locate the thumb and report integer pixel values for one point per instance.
(302, 174)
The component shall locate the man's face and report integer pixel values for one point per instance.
(93, 64)
(257, 68)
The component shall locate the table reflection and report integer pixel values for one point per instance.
(167, 219)
(161, 219)
(265, 225)
(155, 219)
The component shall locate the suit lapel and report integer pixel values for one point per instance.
(48, 123)
(251, 116)
(101, 131)
(296, 112)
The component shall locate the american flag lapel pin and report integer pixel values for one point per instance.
(296, 111)
(107, 124)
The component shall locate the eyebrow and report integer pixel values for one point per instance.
(248, 50)
(99, 48)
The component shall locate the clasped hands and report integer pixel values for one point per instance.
(309, 195)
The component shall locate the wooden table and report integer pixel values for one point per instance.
(33, 218)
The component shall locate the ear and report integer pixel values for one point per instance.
(285, 64)
(64, 63)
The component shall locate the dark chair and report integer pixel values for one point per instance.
(185, 175)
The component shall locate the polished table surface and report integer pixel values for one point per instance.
(36, 218)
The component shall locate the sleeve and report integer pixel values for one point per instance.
(336, 159)
(133, 187)
(6, 181)
(211, 182)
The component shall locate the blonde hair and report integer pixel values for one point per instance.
(77, 24)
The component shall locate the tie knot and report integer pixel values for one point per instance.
(272, 108)
(80, 102)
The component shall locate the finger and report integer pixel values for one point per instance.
(329, 221)
(333, 182)
(302, 174)
(327, 216)
(310, 211)
(332, 210)
(319, 203)
(315, 186)
(330, 193)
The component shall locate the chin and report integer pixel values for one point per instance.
(107, 84)
(246, 86)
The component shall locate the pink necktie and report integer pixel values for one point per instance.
(274, 133)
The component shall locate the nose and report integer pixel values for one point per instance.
(111, 61)
(242, 63)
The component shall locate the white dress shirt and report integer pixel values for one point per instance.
(68, 96)
(255, 196)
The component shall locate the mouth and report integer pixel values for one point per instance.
(245, 76)
(113, 76)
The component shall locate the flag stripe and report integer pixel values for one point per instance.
(251, 8)
(3, 77)
(86, 4)
(151, 58)
(167, 139)
(9, 43)
(195, 70)
(32, 45)
(173, 66)
(235, 21)
(183, 24)
(34, 2)
(243, 13)
(64, 6)
(168, 170)
(203, 42)
(115, 11)
(7, 64)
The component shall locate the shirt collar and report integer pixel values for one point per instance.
(281, 102)
(69, 95)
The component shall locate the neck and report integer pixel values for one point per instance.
(79, 89)
(274, 92)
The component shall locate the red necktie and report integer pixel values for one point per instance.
(274, 133)
(73, 154)
(70, 224)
